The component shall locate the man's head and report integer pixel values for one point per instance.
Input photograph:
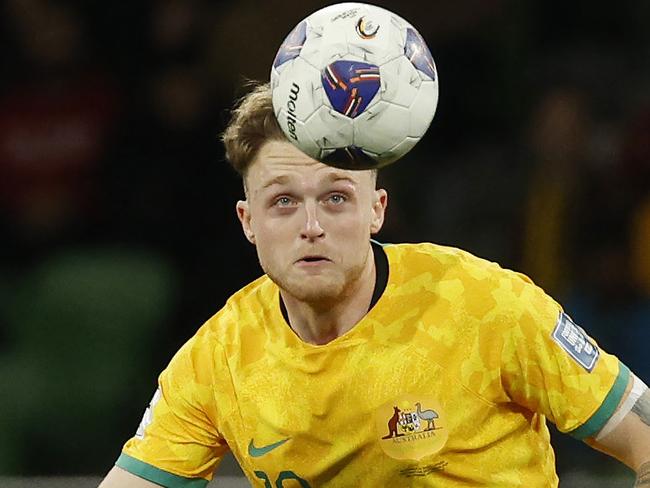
(311, 223)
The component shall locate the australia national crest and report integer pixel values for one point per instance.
(411, 427)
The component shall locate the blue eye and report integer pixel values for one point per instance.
(337, 198)
(283, 201)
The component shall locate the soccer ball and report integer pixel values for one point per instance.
(354, 86)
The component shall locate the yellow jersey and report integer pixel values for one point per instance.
(447, 381)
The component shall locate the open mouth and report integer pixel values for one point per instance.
(313, 259)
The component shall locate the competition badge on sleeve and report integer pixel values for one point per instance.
(148, 414)
(576, 342)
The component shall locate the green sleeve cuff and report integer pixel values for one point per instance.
(156, 475)
(598, 420)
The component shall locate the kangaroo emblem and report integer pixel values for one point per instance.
(392, 425)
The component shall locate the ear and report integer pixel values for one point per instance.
(244, 215)
(378, 210)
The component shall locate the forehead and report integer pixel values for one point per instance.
(279, 162)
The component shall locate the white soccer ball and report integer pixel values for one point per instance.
(354, 86)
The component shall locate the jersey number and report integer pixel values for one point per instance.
(279, 483)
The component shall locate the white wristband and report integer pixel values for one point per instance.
(638, 389)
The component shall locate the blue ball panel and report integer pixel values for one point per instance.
(418, 53)
(350, 86)
(292, 45)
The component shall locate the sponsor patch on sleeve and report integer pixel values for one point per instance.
(148, 415)
(576, 342)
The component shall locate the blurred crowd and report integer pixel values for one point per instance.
(119, 236)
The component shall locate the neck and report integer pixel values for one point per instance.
(320, 323)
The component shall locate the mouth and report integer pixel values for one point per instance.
(312, 260)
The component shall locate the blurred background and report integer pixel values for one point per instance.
(119, 235)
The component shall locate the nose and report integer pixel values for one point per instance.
(311, 229)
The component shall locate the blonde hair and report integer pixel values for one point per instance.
(252, 123)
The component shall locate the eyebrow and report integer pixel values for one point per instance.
(333, 177)
(284, 179)
(278, 180)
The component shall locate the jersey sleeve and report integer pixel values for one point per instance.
(178, 443)
(550, 365)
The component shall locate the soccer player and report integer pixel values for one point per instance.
(351, 363)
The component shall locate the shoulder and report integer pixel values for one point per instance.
(482, 289)
(248, 303)
(243, 312)
(435, 255)
(445, 263)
